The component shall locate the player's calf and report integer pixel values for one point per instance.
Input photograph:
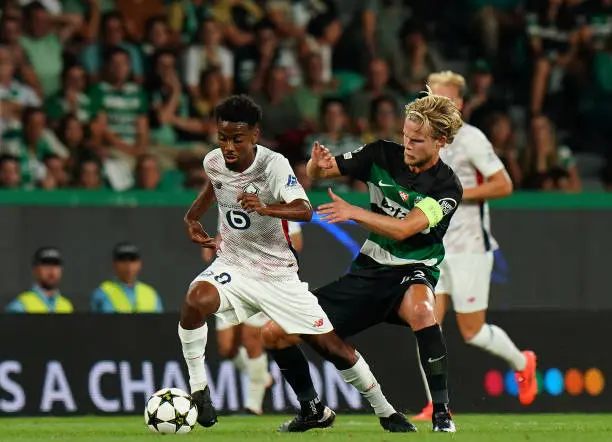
(201, 301)
(353, 369)
(417, 309)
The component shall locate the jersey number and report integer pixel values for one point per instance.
(223, 278)
(238, 220)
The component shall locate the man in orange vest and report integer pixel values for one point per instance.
(125, 294)
(44, 296)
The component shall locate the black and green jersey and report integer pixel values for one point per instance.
(394, 191)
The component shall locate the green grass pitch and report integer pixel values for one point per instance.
(353, 428)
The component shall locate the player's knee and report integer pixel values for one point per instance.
(421, 315)
(274, 337)
(203, 297)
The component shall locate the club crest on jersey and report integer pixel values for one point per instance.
(250, 188)
(218, 185)
(403, 195)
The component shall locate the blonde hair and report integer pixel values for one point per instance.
(448, 78)
(438, 113)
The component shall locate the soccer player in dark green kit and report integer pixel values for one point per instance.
(413, 196)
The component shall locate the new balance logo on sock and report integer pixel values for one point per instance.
(432, 360)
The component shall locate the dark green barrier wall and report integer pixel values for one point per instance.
(554, 248)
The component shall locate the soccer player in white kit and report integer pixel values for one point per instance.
(256, 270)
(243, 345)
(465, 272)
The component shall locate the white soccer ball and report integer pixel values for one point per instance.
(170, 410)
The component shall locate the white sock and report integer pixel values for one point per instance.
(360, 377)
(425, 383)
(257, 369)
(241, 359)
(494, 340)
(194, 346)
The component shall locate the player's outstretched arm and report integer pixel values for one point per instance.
(296, 210)
(322, 164)
(497, 185)
(429, 213)
(198, 208)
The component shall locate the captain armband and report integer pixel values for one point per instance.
(432, 210)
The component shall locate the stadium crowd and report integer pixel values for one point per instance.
(119, 94)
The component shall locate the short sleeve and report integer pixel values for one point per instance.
(482, 156)
(227, 63)
(136, 59)
(159, 308)
(192, 65)
(294, 227)
(97, 301)
(358, 163)
(283, 183)
(16, 306)
(90, 58)
(29, 97)
(449, 196)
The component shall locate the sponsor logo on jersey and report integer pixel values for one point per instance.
(418, 199)
(250, 188)
(291, 181)
(318, 323)
(403, 195)
(447, 205)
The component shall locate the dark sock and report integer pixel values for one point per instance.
(432, 351)
(294, 368)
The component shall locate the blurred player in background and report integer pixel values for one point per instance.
(256, 269)
(413, 196)
(242, 344)
(465, 273)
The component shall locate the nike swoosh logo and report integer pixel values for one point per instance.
(381, 184)
(431, 361)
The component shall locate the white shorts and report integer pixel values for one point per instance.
(288, 303)
(467, 279)
(258, 320)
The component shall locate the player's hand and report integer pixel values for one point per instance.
(251, 203)
(321, 156)
(337, 211)
(198, 235)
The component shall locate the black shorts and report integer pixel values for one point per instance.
(360, 300)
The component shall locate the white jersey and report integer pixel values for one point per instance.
(473, 160)
(259, 245)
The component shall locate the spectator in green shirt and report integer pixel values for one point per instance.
(94, 56)
(71, 99)
(169, 110)
(30, 145)
(89, 174)
(42, 43)
(310, 95)
(121, 108)
(10, 174)
(148, 175)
